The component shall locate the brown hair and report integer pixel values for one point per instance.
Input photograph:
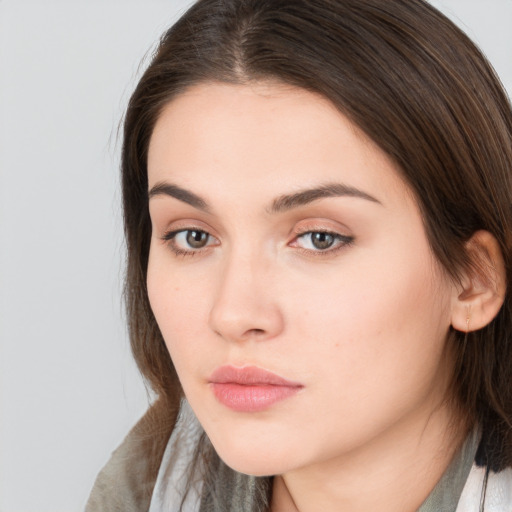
(417, 86)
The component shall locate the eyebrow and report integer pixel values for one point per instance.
(179, 193)
(303, 197)
(281, 204)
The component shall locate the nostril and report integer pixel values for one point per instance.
(250, 333)
(253, 333)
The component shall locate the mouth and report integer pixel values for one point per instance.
(250, 389)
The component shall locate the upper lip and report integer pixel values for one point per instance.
(249, 376)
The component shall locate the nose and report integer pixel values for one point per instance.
(246, 306)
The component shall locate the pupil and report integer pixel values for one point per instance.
(322, 240)
(196, 239)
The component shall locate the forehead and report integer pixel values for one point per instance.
(213, 110)
(264, 134)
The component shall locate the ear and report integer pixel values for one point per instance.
(482, 292)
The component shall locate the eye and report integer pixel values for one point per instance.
(322, 241)
(189, 241)
(194, 239)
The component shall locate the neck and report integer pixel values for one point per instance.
(395, 471)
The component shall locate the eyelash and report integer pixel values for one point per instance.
(170, 237)
(340, 241)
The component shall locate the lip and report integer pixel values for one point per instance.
(250, 389)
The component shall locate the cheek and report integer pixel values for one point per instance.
(179, 301)
(377, 318)
(372, 346)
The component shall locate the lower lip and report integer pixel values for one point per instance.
(251, 398)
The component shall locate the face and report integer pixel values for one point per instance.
(291, 278)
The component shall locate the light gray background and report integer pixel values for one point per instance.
(68, 388)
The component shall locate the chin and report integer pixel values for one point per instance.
(253, 467)
(254, 461)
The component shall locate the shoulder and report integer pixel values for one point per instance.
(126, 482)
(498, 492)
(117, 486)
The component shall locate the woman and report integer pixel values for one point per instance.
(318, 210)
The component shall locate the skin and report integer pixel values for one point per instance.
(361, 324)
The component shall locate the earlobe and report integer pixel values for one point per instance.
(482, 292)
